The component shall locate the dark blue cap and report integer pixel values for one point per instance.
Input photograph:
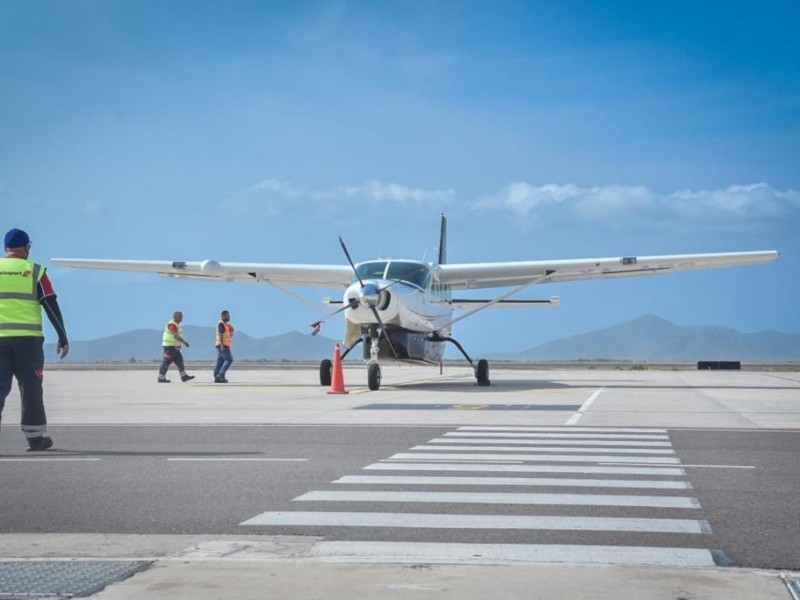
(16, 238)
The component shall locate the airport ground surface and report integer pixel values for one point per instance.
(685, 481)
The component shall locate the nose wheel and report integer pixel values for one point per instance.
(374, 376)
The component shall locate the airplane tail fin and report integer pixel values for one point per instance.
(443, 242)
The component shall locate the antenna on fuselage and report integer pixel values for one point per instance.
(443, 241)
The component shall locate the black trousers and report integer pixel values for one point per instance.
(23, 358)
(171, 354)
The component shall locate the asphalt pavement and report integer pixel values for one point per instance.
(588, 483)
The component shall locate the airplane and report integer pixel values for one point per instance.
(403, 310)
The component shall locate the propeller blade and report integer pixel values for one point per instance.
(350, 260)
(383, 331)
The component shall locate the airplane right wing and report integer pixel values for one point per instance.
(301, 275)
(502, 274)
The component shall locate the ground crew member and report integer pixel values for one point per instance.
(24, 290)
(223, 343)
(171, 341)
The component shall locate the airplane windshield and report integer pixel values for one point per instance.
(370, 270)
(412, 272)
(415, 273)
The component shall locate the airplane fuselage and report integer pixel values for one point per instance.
(410, 306)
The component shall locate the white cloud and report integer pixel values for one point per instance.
(623, 207)
(273, 196)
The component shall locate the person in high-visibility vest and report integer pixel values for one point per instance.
(24, 290)
(224, 341)
(171, 341)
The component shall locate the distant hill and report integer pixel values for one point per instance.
(651, 338)
(144, 345)
(647, 338)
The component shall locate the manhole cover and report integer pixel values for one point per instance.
(30, 579)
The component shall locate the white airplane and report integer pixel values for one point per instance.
(404, 309)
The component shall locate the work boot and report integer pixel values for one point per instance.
(163, 380)
(39, 443)
(185, 378)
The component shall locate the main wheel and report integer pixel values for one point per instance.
(482, 372)
(325, 369)
(374, 376)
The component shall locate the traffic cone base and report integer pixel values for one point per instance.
(337, 375)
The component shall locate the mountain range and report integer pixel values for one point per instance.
(653, 339)
(647, 338)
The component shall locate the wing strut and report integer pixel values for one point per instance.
(299, 298)
(516, 290)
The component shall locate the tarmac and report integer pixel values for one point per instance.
(303, 567)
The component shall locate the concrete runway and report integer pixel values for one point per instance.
(653, 470)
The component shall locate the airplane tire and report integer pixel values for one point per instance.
(482, 372)
(374, 376)
(325, 370)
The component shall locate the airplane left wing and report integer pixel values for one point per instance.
(501, 274)
(317, 276)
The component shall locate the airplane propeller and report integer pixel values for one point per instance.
(369, 295)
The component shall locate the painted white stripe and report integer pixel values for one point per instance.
(510, 554)
(584, 407)
(501, 498)
(495, 468)
(563, 429)
(545, 449)
(38, 459)
(574, 418)
(539, 458)
(513, 481)
(450, 521)
(221, 459)
(716, 466)
(528, 442)
(577, 435)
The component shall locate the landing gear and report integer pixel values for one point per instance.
(481, 369)
(325, 370)
(373, 367)
(374, 376)
(482, 372)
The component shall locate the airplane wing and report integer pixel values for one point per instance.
(301, 275)
(501, 274)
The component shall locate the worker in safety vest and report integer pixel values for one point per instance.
(171, 341)
(24, 290)
(223, 343)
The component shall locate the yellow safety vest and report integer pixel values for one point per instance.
(226, 339)
(169, 338)
(20, 311)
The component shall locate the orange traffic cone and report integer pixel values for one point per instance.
(337, 379)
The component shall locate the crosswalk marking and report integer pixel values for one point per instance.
(577, 433)
(501, 498)
(538, 457)
(641, 460)
(521, 468)
(510, 554)
(513, 481)
(546, 449)
(575, 430)
(544, 442)
(451, 521)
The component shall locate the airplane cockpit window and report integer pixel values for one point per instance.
(416, 273)
(371, 270)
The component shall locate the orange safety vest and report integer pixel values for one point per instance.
(226, 338)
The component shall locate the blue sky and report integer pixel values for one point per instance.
(260, 131)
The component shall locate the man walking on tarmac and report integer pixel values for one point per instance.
(172, 340)
(24, 290)
(223, 343)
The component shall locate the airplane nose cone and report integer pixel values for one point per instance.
(369, 295)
